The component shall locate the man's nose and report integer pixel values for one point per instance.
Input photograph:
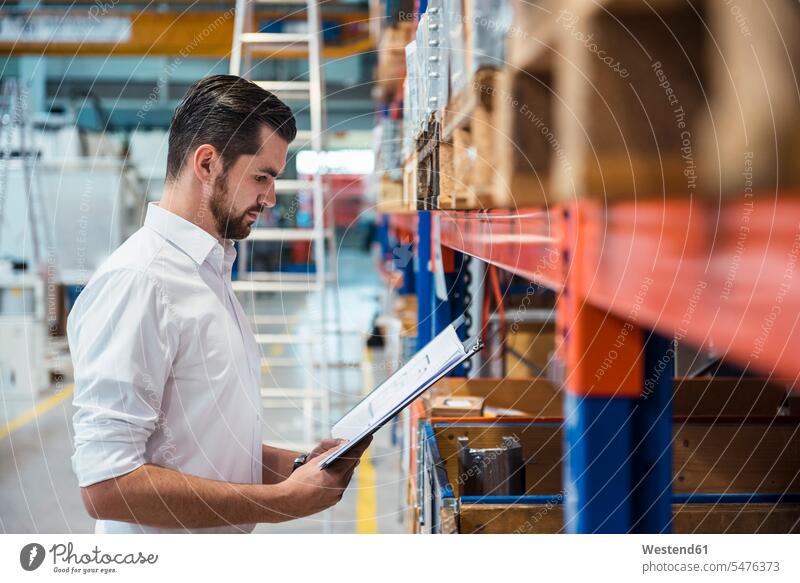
(269, 199)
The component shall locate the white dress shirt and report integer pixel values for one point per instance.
(167, 370)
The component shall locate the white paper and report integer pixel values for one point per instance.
(425, 365)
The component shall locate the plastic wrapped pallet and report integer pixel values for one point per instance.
(436, 69)
(391, 60)
(421, 76)
(390, 159)
(488, 22)
(457, 56)
(410, 110)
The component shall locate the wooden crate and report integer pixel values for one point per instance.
(635, 100)
(729, 457)
(632, 84)
(736, 455)
(470, 129)
(531, 397)
(541, 445)
(756, 476)
(447, 176)
(702, 397)
(735, 443)
(527, 145)
(728, 396)
(390, 196)
(753, 98)
(721, 518)
(391, 68)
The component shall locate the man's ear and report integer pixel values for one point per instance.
(203, 162)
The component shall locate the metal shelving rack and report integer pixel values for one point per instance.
(652, 271)
(637, 257)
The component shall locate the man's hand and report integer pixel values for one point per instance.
(311, 489)
(165, 498)
(324, 446)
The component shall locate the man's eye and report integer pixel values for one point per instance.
(261, 178)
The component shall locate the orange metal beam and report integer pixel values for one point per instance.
(187, 35)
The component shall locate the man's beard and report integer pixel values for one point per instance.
(221, 205)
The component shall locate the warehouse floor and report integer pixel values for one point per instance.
(39, 492)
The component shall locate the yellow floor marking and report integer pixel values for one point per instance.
(39, 409)
(366, 499)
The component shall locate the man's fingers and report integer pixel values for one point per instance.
(351, 457)
(331, 443)
(343, 465)
(325, 446)
(361, 446)
(356, 452)
(357, 449)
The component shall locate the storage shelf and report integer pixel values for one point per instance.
(652, 250)
(720, 278)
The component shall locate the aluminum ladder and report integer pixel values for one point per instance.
(314, 396)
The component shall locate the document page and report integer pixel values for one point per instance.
(427, 364)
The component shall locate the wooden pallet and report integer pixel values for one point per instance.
(428, 167)
(410, 184)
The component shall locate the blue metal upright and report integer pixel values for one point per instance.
(423, 279)
(400, 253)
(598, 468)
(618, 470)
(409, 281)
(457, 290)
(446, 311)
(652, 438)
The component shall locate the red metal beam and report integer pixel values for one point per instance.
(724, 279)
(526, 242)
(727, 280)
(403, 226)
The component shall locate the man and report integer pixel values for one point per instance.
(167, 370)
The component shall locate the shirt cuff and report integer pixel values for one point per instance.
(96, 461)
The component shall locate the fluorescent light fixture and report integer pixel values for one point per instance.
(336, 162)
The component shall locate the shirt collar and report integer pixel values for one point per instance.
(188, 237)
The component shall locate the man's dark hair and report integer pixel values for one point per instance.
(227, 112)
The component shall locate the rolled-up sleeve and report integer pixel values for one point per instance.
(122, 340)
